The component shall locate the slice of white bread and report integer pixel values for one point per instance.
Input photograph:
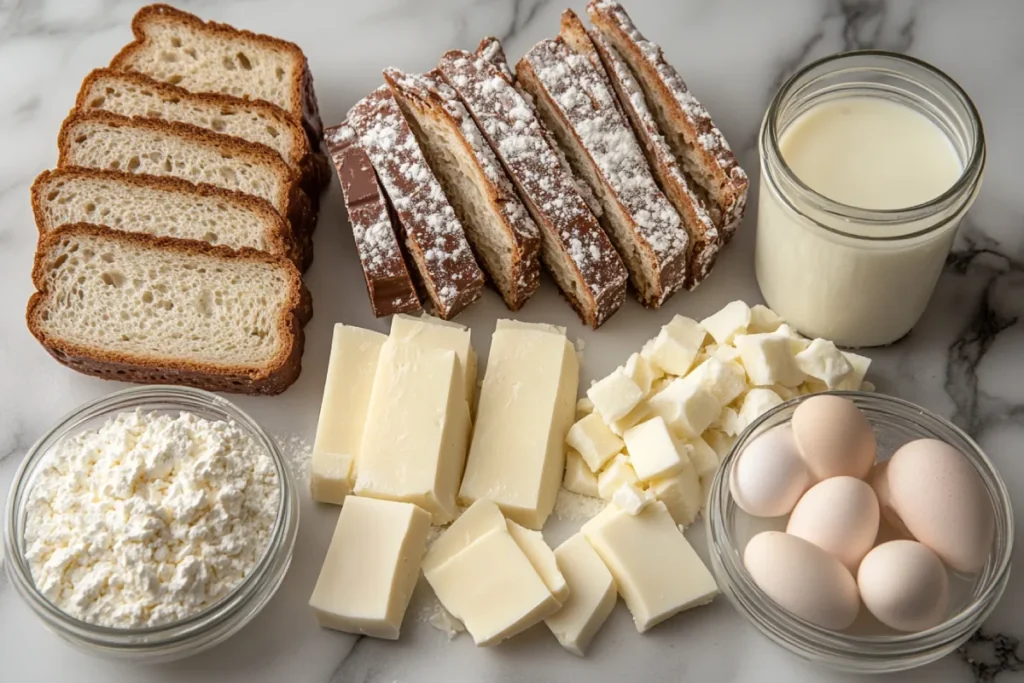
(163, 207)
(502, 234)
(133, 94)
(434, 237)
(181, 49)
(685, 123)
(575, 249)
(146, 309)
(573, 99)
(103, 140)
(705, 240)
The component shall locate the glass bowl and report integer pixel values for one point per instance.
(867, 647)
(202, 630)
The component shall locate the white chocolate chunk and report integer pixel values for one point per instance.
(763, 319)
(657, 573)
(652, 450)
(617, 473)
(860, 365)
(686, 406)
(728, 421)
(680, 493)
(632, 498)
(676, 346)
(579, 478)
(726, 354)
(615, 395)
(705, 460)
(527, 404)
(584, 407)
(768, 359)
(371, 567)
(339, 430)
(757, 402)
(790, 392)
(592, 595)
(594, 441)
(823, 361)
(720, 442)
(434, 333)
(642, 372)
(724, 380)
(732, 320)
(542, 558)
(634, 417)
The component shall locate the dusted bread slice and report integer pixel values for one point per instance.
(162, 207)
(154, 310)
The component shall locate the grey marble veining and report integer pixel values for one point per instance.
(964, 360)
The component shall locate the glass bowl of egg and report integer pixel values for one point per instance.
(860, 531)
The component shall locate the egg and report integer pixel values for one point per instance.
(770, 476)
(834, 437)
(904, 585)
(840, 516)
(942, 501)
(803, 579)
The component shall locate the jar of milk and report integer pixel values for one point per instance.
(868, 162)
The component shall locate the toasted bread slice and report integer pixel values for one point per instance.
(434, 236)
(575, 249)
(696, 141)
(138, 308)
(130, 93)
(162, 207)
(705, 240)
(502, 234)
(103, 140)
(181, 49)
(575, 102)
(388, 282)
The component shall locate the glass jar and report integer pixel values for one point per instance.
(860, 277)
(195, 633)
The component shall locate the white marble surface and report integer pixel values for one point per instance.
(964, 359)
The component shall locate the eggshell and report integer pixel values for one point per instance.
(942, 501)
(834, 437)
(803, 579)
(840, 516)
(879, 480)
(769, 477)
(904, 585)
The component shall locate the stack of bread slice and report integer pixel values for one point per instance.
(591, 157)
(173, 231)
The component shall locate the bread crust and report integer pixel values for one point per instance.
(303, 95)
(291, 202)
(273, 378)
(278, 236)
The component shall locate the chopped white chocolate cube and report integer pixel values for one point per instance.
(726, 354)
(430, 332)
(867, 386)
(615, 395)
(703, 457)
(527, 404)
(584, 407)
(798, 342)
(725, 380)
(632, 498)
(579, 478)
(686, 406)
(339, 430)
(642, 372)
(652, 450)
(636, 416)
(657, 573)
(732, 320)
(417, 429)
(478, 519)
(768, 359)
(823, 361)
(720, 442)
(860, 365)
(676, 346)
(763, 319)
(371, 567)
(757, 402)
(680, 493)
(617, 473)
(594, 441)
(542, 557)
(592, 595)
(728, 421)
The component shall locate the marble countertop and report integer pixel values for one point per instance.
(964, 360)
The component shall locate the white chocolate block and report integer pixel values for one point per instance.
(657, 573)
(680, 493)
(724, 380)
(732, 320)
(676, 346)
(617, 473)
(542, 558)
(480, 518)
(763, 319)
(703, 457)
(757, 402)
(594, 441)
(527, 404)
(652, 450)
(417, 429)
(592, 595)
(642, 372)
(434, 333)
(860, 366)
(615, 395)
(768, 359)
(492, 588)
(686, 406)
(579, 478)
(632, 498)
(823, 361)
(371, 567)
(339, 430)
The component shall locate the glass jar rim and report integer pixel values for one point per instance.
(968, 179)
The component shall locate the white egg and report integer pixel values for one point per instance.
(770, 476)
(834, 437)
(803, 579)
(840, 516)
(905, 585)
